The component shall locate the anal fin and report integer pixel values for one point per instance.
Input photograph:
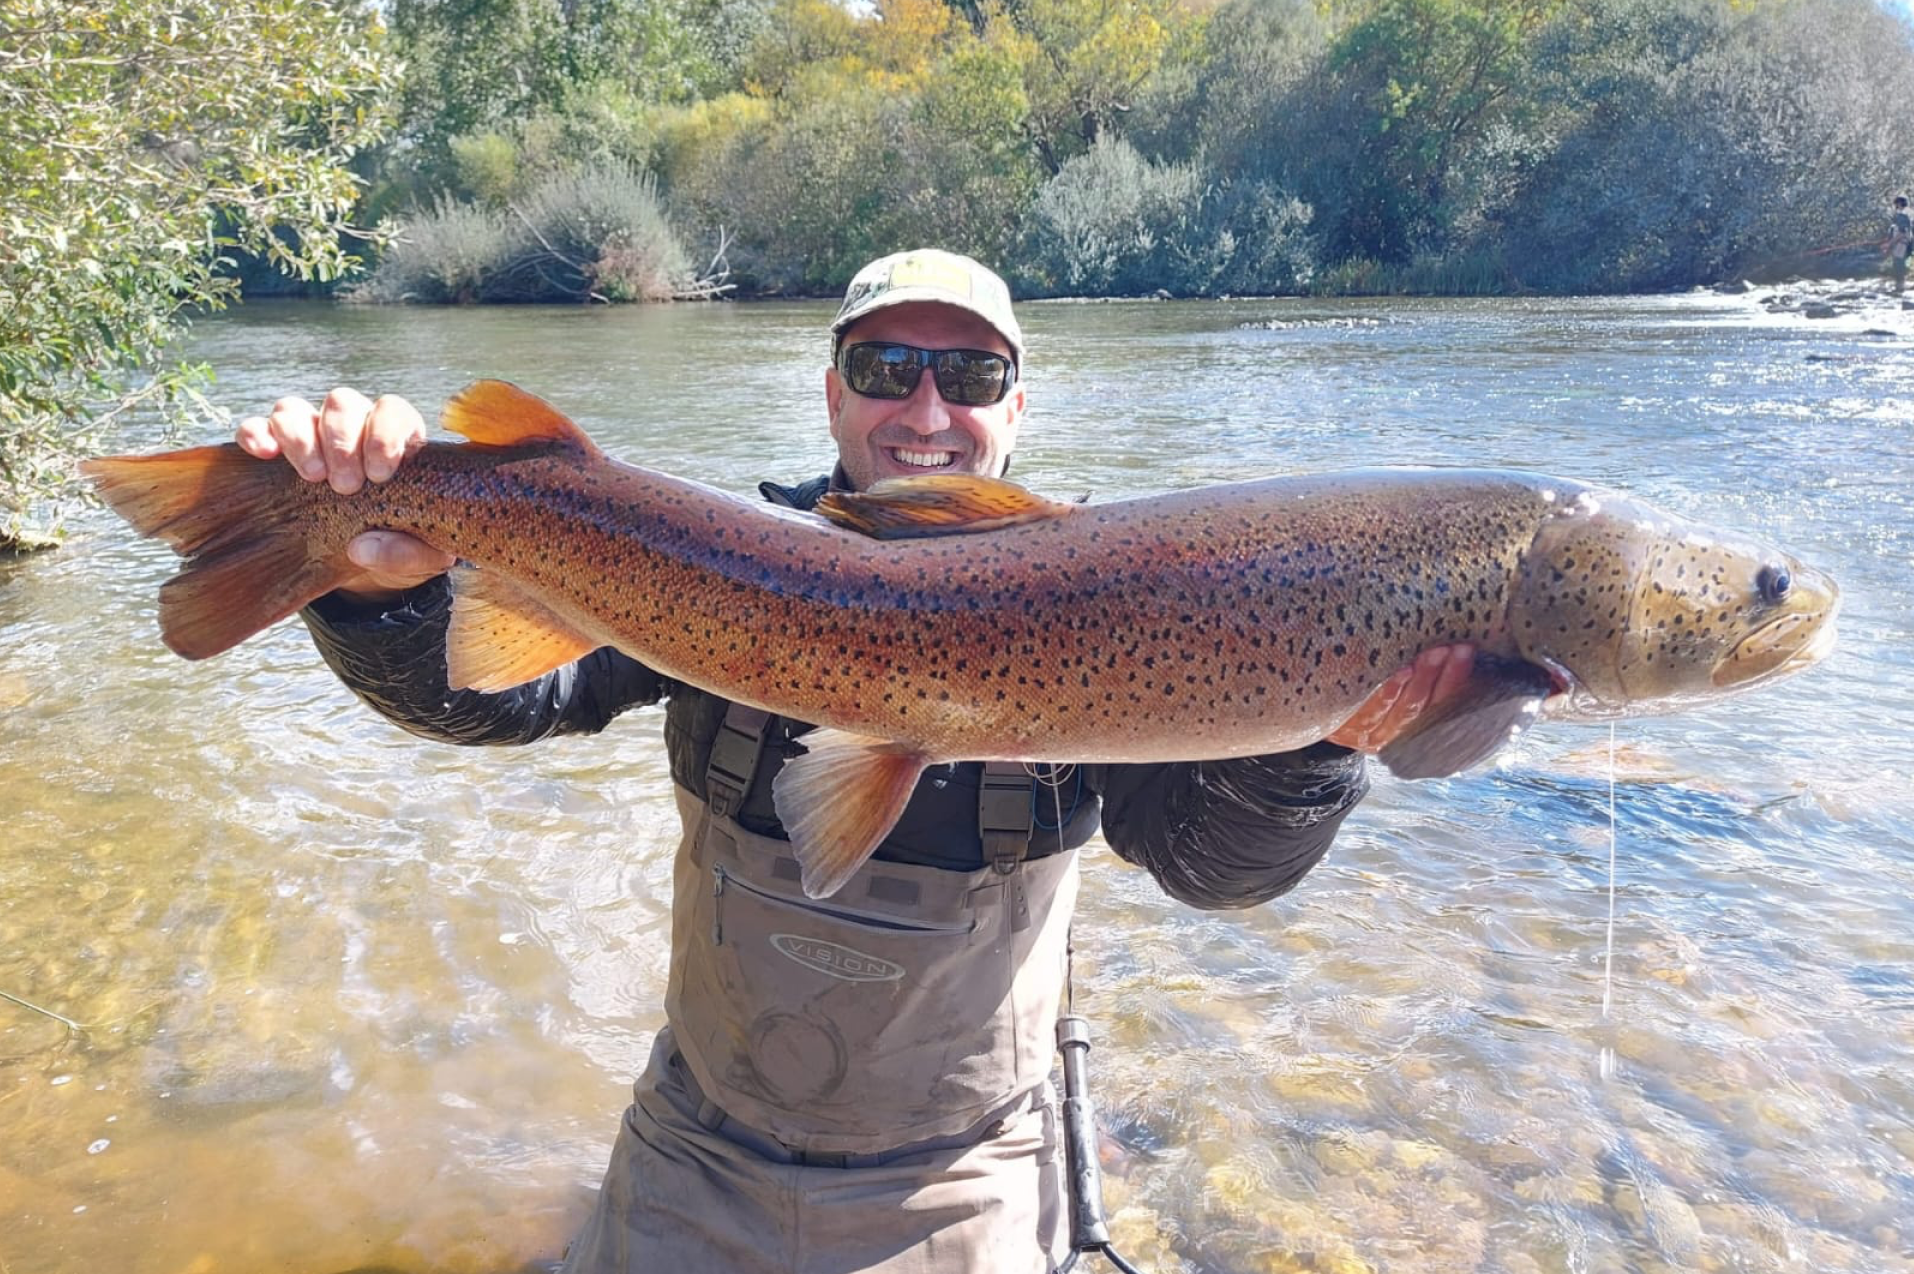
(501, 637)
(1500, 699)
(839, 800)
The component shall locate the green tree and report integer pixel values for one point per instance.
(1085, 62)
(1229, 103)
(502, 96)
(140, 140)
(860, 132)
(1693, 139)
(1421, 82)
(474, 65)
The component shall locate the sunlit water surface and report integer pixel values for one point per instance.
(344, 999)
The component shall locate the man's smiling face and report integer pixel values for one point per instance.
(879, 438)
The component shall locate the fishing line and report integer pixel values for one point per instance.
(1607, 1058)
(1053, 777)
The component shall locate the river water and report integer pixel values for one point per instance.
(339, 999)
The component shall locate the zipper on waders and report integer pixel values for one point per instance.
(717, 904)
(817, 909)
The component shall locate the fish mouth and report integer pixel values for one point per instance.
(1778, 648)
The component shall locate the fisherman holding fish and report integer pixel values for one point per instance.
(859, 1082)
(869, 931)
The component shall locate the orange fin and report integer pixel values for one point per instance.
(937, 504)
(229, 516)
(223, 598)
(500, 637)
(839, 800)
(496, 413)
(188, 498)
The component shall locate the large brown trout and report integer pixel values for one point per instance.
(945, 618)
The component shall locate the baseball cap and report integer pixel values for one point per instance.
(931, 274)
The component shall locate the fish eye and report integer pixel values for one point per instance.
(1774, 583)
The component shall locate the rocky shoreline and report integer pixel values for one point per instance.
(1871, 302)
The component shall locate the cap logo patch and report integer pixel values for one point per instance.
(919, 272)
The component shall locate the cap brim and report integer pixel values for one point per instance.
(935, 296)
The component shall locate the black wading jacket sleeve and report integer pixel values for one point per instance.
(1223, 834)
(393, 657)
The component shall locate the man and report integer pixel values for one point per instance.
(1900, 238)
(861, 1082)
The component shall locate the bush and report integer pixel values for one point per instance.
(597, 233)
(485, 166)
(446, 254)
(141, 142)
(1114, 223)
(1104, 223)
(603, 236)
(1479, 273)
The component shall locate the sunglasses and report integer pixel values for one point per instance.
(965, 377)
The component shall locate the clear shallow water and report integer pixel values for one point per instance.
(352, 1000)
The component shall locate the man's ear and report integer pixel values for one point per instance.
(1014, 418)
(833, 396)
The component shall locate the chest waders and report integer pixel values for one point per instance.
(916, 1003)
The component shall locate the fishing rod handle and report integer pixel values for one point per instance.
(1088, 1229)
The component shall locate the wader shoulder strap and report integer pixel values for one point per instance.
(1004, 820)
(734, 758)
(1003, 814)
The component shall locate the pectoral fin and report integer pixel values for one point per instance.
(937, 504)
(500, 637)
(839, 800)
(1500, 699)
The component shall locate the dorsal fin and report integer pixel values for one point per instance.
(496, 413)
(937, 504)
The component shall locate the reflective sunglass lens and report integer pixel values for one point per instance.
(971, 380)
(882, 371)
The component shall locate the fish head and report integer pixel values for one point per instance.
(1635, 610)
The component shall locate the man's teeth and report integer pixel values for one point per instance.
(923, 459)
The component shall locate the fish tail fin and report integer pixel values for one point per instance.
(839, 801)
(247, 566)
(187, 498)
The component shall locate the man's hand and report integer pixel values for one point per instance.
(346, 442)
(1437, 673)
